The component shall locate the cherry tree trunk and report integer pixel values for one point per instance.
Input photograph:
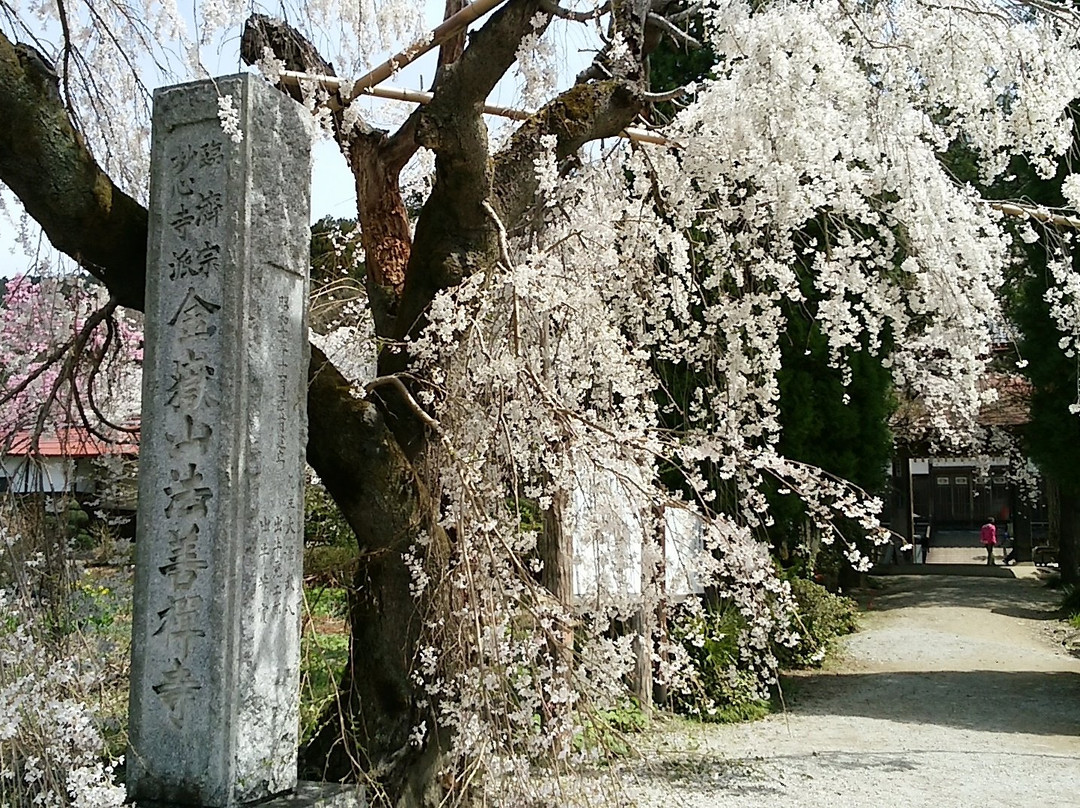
(556, 551)
(1068, 501)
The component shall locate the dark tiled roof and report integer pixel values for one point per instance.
(1012, 407)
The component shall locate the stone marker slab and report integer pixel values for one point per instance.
(684, 545)
(605, 517)
(215, 645)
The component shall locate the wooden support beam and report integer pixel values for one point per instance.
(417, 97)
(448, 28)
(1043, 215)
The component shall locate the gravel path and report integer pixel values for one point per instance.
(956, 694)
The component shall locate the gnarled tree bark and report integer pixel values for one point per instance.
(45, 162)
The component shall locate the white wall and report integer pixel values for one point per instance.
(50, 476)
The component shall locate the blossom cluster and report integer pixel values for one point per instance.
(46, 383)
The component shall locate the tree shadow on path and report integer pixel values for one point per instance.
(1016, 597)
(1029, 613)
(1029, 702)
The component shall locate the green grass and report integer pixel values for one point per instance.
(1070, 605)
(743, 711)
(324, 652)
(327, 601)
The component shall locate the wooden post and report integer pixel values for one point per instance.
(556, 550)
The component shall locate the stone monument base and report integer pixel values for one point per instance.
(310, 794)
(307, 794)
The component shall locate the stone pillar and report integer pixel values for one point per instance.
(216, 636)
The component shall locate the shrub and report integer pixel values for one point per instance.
(329, 566)
(52, 751)
(1070, 605)
(329, 544)
(608, 729)
(324, 526)
(820, 618)
(707, 680)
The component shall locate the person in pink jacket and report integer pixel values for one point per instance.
(988, 538)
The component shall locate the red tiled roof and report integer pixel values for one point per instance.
(72, 442)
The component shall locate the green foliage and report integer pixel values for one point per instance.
(1070, 605)
(529, 513)
(108, 546)
(821, 617)
(335, 250)
(607, 729)
(328, 601)
(672, 66)
(323, 523)
(324, 650)
(1052, 430)
(717, 691)
(92, 605)
(322, 663)
(842, 429)
(849, 439)
(329, 544)
(70, 523)
(96, 608)
(329, 566)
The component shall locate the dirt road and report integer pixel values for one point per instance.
(954, 695)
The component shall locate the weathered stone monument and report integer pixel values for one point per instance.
(216, 635)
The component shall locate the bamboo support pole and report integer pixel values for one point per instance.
(450, 26)
(1039, 214)
(417, 97)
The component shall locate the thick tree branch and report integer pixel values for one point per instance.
(362, 467)
(583, 113)
(450, 50)
(399, 385)
(454, 236)
(384, 221)
(640, 25)
(399, 147)
(588, 111)
(449, 28)
(553, 8)
(296, 52)
(45, 162)
(491, 52)
(674, 31)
